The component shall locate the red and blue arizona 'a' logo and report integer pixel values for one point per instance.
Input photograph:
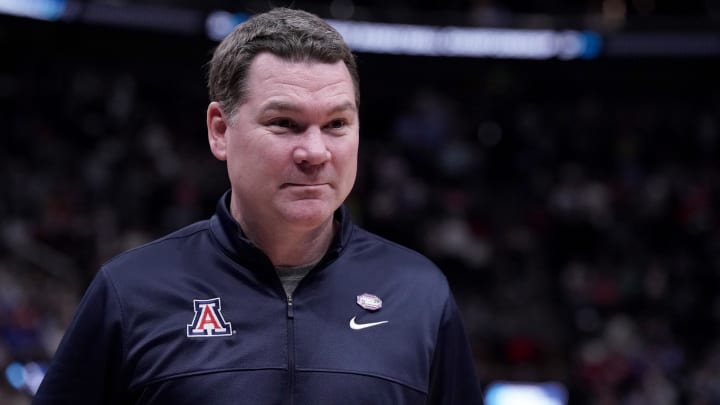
(208, 320)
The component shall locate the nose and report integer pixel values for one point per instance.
(311, 149)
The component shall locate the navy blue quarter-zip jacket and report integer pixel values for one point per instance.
(200, 317)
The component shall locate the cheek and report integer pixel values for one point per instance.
(256, 157)
(346, 156)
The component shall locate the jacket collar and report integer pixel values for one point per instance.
(228, 234)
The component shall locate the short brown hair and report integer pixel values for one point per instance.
(294, 35)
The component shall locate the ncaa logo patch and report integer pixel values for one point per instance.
(208, 320)
(369, 301)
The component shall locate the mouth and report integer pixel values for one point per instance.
(304, 185)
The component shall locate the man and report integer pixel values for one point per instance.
(278, 298)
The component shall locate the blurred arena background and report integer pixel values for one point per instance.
(558, 159)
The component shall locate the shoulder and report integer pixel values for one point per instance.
(365, 240)
(161, 253)
(393, 259)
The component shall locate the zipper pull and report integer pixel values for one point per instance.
(290, 307)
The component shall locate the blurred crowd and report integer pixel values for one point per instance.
(577, 220)
(572, 205)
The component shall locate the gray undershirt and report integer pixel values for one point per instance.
(290, 276)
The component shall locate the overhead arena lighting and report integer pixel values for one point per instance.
(38, 9)
(468, 42)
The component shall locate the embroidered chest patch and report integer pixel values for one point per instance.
(208, 320)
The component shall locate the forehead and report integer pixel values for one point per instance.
(271, 77)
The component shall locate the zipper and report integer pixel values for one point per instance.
(291, 347)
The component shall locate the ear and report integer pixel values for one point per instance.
(217, 127)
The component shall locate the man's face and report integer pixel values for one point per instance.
(291, 147)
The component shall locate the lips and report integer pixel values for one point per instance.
(308, 185)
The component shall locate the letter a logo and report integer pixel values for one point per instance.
(208, 320)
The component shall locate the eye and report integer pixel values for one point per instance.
(336, 124)
(283, 123)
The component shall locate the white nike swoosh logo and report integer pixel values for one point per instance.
(358, 326)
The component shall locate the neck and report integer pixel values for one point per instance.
(290, 248)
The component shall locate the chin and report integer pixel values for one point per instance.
(308, 214)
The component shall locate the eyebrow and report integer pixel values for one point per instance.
(283, 106)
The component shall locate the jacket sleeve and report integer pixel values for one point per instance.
(86, 366)
(453, 378)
